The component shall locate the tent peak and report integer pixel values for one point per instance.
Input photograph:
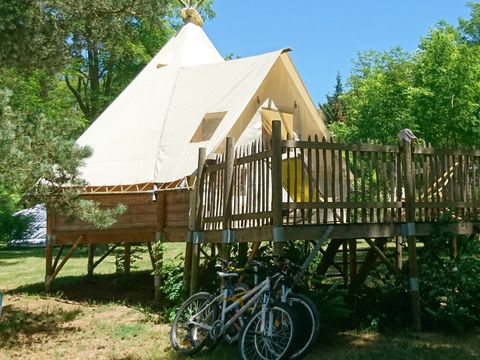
(189, 12)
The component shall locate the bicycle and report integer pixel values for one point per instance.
(268, 334)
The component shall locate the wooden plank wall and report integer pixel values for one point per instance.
(139, 223)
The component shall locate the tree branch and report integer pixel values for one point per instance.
(77, 95)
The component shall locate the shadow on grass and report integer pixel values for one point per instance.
(8, 263)
(401, 345)
(22, 328)
(133, 289)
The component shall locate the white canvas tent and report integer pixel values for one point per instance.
(189, 97)
(37, 230)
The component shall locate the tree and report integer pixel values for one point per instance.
(37, 162)
(62, 62)
(30, 36)
(434, 91)
(446, 89)
(333, 107)
(377, 104)
(99, 45)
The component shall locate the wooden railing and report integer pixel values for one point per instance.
(314, 181)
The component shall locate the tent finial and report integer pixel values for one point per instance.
(189, 12)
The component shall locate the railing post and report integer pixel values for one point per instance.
(409, 231)
(228, 235)
(202, 155)
(277, 188)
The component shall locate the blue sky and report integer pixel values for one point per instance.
(325, 35)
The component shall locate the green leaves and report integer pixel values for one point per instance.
(435, 91)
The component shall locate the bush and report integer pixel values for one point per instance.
(450, 288)
(12, 227)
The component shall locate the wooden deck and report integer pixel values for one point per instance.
(287, 189)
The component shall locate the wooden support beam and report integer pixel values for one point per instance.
(334, 264)
(91, 259)
(412, 246)
(65, 259)
(127, 258)
(150, 253)
(108, 252)
(277, 189)
(158, 256)
(57, 257)
(399, 252)
(352, 247)
(382, 257)
(187, 265)
(453, 248)
(368, 264)
(187, 268)
(328, 256)
(195, 262)
(345, 259)
(48, 262)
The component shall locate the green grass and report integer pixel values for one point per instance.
(28, 264)
(112, 316)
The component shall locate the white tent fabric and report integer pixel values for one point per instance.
(37, 231)
(145, 135)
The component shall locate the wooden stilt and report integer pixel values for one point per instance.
(242, 253)
(345, 259)
(453, 248)
(150, 253)
(157, 280)
(57, 269)
(399, 252)
(197, 228)
(187, 268)
(58, 256)
(382, 256)
(195, 269)
(368, 264)
(187, 265)
(91, 258)
(127, 258)
(328, 256)
(103, 257)
(48, 262)
(352, 247)
(410, 234)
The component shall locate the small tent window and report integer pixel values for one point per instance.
(207, 127)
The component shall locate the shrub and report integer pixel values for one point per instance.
(450, 288)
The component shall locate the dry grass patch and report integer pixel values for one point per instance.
(49, 328)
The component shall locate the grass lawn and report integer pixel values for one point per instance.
(113, 316)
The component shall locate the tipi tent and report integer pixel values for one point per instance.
(187, 97)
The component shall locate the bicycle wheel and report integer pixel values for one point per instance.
(272, 341)
(307, 315)
(186, 337)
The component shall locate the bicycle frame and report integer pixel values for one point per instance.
(251, 296)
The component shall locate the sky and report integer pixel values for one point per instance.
(325, 35)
